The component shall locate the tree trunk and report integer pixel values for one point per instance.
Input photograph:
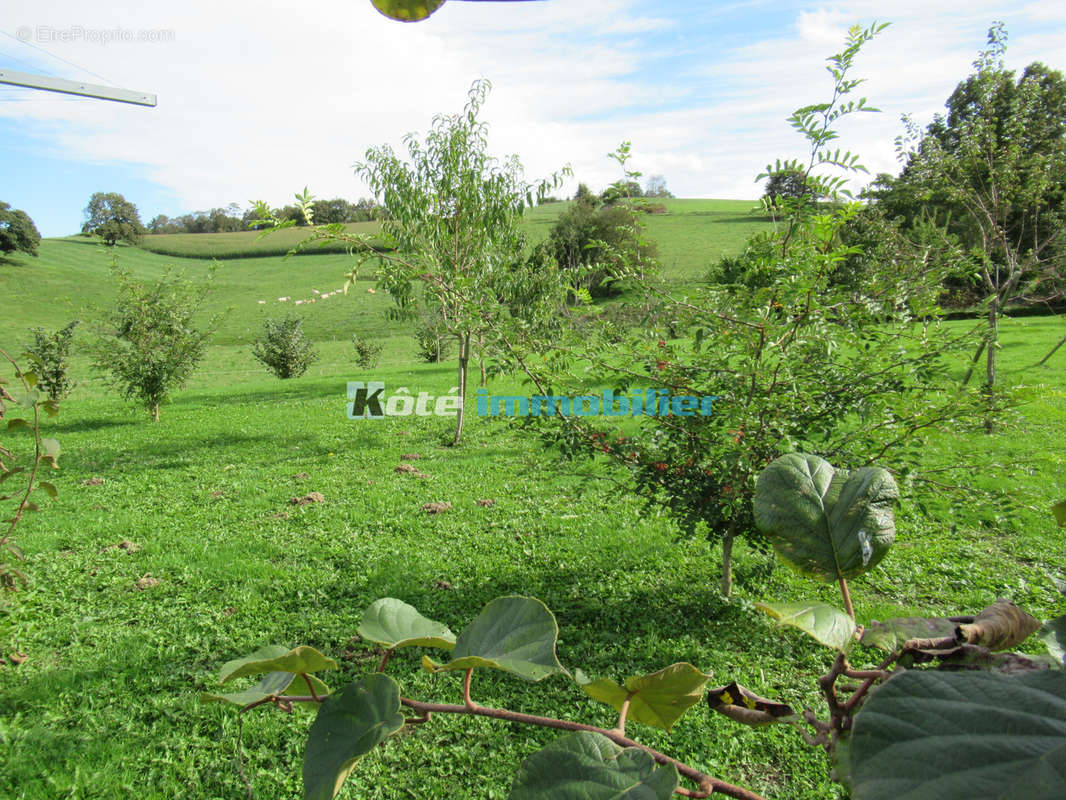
(464, 360)
(990, 372)
(155, 412)
(727, 562)
(976, 358)
(1043, 361)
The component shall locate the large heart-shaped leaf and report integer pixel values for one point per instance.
(828, 524)
(928, 735)
(657, 699)
(275, 658)
(589, 766)
(515, 634)
(350, 724)
(891, 634)
(271, 684)
(407, 10)
(394, 624)
(825, 624)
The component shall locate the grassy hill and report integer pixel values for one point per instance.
(71, 277)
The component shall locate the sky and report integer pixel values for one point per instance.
(258, 100)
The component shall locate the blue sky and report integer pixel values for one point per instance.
(256, 101)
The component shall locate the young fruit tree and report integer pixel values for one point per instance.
(992, 173)
(151, 343)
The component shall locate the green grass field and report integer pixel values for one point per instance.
(106, 703)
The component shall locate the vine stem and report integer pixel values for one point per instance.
(846, 594)
(622, 714)
(706, 783)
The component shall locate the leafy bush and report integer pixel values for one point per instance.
(150, 344)
(283, 347)
(45, 452)
(17, 231)
(367, 352)
(591, 244)
(433, 339)
(50, 352)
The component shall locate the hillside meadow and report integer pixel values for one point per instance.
(174, 547)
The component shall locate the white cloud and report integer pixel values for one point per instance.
(259, 100)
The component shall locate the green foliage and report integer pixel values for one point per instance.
(45, 453)
(591, 244)
(795, 359)
(433, 338)
(825, 624)
(955, 736)
(657, 699)
(991, 173)
(284, 348)
(150, 344)
(513, 634)
(113, 218)
(394, 624)
(589, 766)
(367, 351)
(17, 231)
(829, 524)
(786, 183)
(50, 353)
(350, 724)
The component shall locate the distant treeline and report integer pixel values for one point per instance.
(231, 218)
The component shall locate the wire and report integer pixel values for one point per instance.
(60, 58)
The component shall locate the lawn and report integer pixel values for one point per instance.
(106, 703)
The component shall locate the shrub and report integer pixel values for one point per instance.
(367, 352)
(151, 345)
(49, 352)
(434, 342)
(284, 348)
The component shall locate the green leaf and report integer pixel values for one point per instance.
(407, 10)
(275, 658)
(825, 624)
(589, 766)
(394, 624)
(657, 699)
(350, 724)
(826, 523)
(1053, 634)
(892, 633)
(18, 422)
(271, 684)
(48, 488)
(50, 451)
(928, 735)
(515, 634)
(1059, 510)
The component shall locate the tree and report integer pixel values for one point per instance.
(656, 187)
(585, 195)
(786, 183)
(283, 348)
(17, 231)
(453, 216)
(792, 357)
(151, 344)
(993, 173)
(589, 243)
(621, 190)
(113, 218)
